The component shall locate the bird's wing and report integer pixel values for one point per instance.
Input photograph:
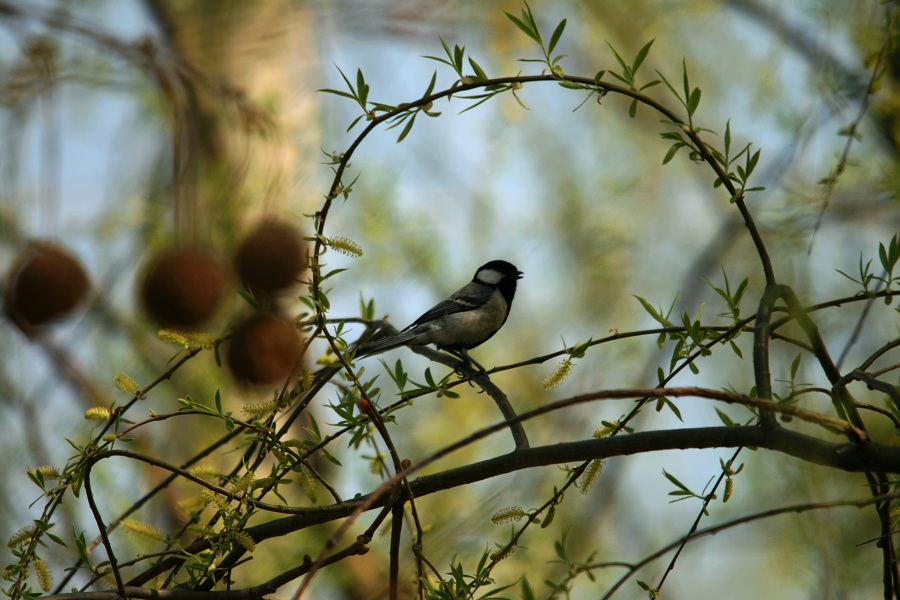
(461, 301)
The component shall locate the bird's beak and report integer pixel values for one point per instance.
(519, 274)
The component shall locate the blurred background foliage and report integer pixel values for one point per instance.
(128, 125)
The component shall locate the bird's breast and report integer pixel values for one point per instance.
(469, 328)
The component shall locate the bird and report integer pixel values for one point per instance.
(465, 320)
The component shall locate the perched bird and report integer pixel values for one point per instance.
(468, 318)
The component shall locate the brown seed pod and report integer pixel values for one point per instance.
(46, 283)
(263, 350)
(183, 286)
(271, 257)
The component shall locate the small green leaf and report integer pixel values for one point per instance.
(726, 420)
(557, 33)
(619, 58)
(795, 365)
(525, 28)
(641, 55)
(431, 85)
(406, 129)
(675, 481)
(751, 162)
(685, 82)
(673, 151)
(362, 89)
(693, 101)
(480, 75)
(728, 136)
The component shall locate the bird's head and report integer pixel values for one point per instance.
(501, 275)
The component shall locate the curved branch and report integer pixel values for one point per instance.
(844, 456)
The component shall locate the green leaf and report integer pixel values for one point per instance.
(557, 33)
(619, 58)
(656, 314)
(458, 53)
(641, 55)
(431, 85)
(81, 548)
(527, 591)
(331, 458)
(726, 420)
(683, 488)
(406, 129)
(693, 101)
(429, 379)
(480, 75)
(673, 151)
(336, 93)
(728, 136)
(883, 257)
(751, 162)
(795, 364)
(674, 93)
(525, 28)
(366, 309)
(362, 89)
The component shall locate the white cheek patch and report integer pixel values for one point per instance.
(489, 276)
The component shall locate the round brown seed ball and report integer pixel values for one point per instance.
(271, 257)
(263, 350)
(46, 283)
(183, 286)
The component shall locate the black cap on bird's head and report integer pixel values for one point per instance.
(501, 275)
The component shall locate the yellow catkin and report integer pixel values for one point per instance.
(558, 375)
(188, 340)
(261, 483)
(201, 531)
(192, 504)
(48, 472)
(501, 553)
(97, 413)
(205, 472)
(143, 529)
(551, 514)
(20, 537)
(244, 539)
(259, 410)
(306, 379)
(44, 576)
(508, 515)
(309, 484)
(376, 463)
(346, 246)
(220, 502)
(729, 489)
(590, 475)
(125, 384)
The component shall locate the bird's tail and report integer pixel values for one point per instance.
(386, 343)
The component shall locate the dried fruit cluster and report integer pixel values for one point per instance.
(182, 287)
